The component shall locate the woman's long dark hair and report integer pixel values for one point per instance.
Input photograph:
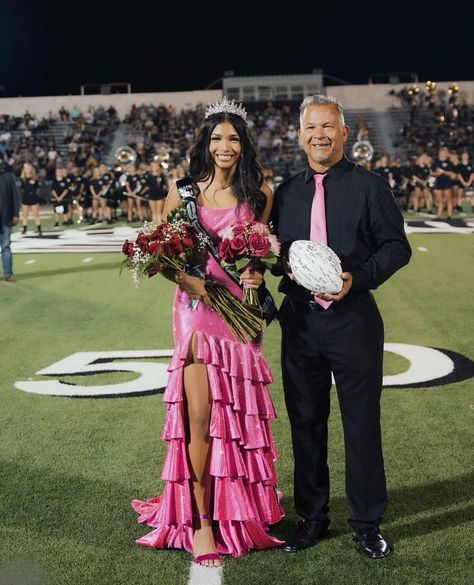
(248, 177)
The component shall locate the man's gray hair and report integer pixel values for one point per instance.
(322, 100)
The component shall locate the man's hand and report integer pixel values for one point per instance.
(193, 286)
(14, 220)
(251, 278)
(346, 287)
(287, 267)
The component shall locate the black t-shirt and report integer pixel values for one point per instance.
(445, 165)
(422, 172)
(383, 171)
(75, 184)
(107, 178)
(157, 185)
(137, 183)
(86, 194)
(465, 170)
(443, 181)
(132, 181)
(97, 185)
(59, 186)
(397, 175)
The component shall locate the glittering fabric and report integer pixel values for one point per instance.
(242, 451)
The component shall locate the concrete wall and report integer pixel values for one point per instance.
(41, 106)
(374, 96)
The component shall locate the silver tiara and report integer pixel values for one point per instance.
(227, 107)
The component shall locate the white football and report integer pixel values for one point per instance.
(315, 266)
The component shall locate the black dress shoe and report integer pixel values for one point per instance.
(371, 543)
(307, 533)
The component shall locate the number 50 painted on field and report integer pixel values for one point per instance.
(152, 379)
(428, 367)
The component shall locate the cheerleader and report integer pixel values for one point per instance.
(158, 188)
(443, 169)
(465, 174)
(29, 197)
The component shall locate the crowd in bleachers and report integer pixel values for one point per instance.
(442, 125)
(154, 128)
(66, 151)
(66, 138)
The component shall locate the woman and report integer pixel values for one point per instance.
(131, 191)
(220, 494)
(420, 174)
(98, 188)
(443, 169)
(465, 177)
(29, 197)
(157, 184)
(59, 191)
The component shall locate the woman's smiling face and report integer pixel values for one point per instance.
(224, 146)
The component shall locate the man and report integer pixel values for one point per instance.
(338, 333)
(9, 211)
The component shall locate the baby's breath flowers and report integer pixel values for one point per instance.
(173, 244)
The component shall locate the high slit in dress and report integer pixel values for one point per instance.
(245, 501)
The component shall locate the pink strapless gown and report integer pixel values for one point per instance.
(242, 450)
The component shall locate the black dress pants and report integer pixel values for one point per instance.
(347, 340)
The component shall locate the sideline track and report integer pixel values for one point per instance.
(110, 239)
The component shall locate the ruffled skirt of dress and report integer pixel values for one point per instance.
(242, 453)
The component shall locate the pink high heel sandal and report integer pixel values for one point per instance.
(209, 556)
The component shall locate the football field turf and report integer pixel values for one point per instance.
(70, 466)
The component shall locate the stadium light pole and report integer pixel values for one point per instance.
(337, 79)
(211, 85)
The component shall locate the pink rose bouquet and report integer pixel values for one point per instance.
(249, 244)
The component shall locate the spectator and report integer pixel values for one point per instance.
(9, 210)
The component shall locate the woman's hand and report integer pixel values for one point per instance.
(251, 278)
(193, 286)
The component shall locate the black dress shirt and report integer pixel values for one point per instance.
(364, 224)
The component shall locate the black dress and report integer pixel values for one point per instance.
(29, 191)
(158, 187)
(443, 181)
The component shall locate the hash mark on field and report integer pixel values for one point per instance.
(31, 261)
(199, 575)
(88, 259)
(422, 249)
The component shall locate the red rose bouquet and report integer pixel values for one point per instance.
(249, 244)
(172, 244)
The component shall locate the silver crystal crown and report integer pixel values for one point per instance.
(226, 106)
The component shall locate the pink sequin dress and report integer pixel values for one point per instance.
(242, 451)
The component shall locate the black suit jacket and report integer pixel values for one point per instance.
(365, 227)
(9, 198)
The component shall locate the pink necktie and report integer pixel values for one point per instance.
(318, 222)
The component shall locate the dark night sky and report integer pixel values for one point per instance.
(51, 47)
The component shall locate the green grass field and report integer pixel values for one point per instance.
(70, 466)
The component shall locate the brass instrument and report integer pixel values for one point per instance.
(362, 150)
(162, 156)
(125, 155)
